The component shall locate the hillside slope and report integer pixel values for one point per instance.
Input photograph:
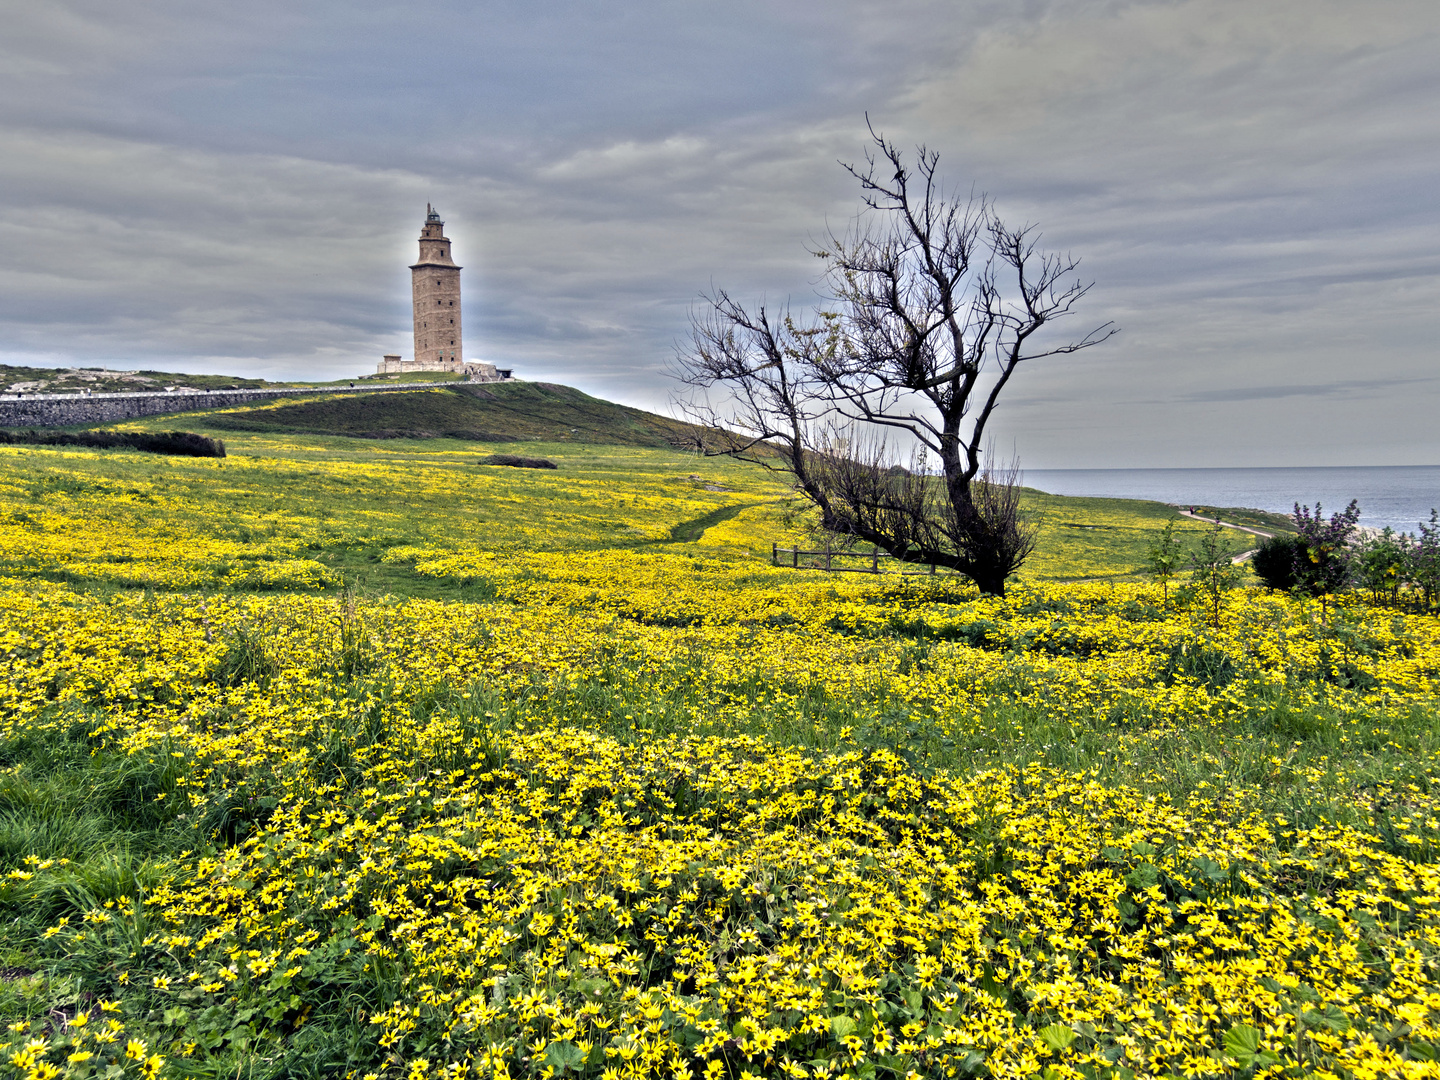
(495, 412)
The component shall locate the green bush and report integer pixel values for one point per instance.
(1274, 561)
(177, 443)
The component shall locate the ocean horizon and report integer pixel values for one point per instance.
(1398, 496)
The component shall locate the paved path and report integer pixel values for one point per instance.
(1229, 525)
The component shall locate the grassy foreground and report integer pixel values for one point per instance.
(342, 759)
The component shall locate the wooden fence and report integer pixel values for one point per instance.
(825, 560)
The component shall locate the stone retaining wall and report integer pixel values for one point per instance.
(67, 410)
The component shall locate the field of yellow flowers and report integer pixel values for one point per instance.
(629, 804)
(296, 512)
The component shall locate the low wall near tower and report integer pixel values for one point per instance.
(69, 410)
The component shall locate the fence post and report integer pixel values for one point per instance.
(774, 553)
(795, 556)
(932, 569)
(827, 556)
(875, 560)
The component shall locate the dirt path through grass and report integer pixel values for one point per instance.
(690, 531)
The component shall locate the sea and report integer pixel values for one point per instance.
(1399, 496)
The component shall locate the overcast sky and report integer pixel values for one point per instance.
(197, 186)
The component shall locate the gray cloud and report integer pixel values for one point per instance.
(1345, 388)
(239, 188)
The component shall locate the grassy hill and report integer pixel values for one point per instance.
(496, 412)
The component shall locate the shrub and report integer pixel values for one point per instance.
(176, 443)
(1380, 564)
(1422, 565)
(1324, 565)
(1274, 561)
(518, 462)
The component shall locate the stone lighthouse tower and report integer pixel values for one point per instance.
(435, 286)
(435, 290)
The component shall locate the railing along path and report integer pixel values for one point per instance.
(829, 555)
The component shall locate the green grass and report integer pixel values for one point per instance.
(1382, 748)
(1105, 538)
(418, 431)
(494, 412)
(410, 377)
(366, 575)
(102, 815)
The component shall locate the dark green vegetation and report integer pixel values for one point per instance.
(1325, 557)
(178, 443)
(113, 826)
(517, 462)
(495, 412)
(1274, 561)
(693, 530)
(411, 377)
(63, 797)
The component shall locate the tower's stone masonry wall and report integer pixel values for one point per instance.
(437, 314)
(65, 410)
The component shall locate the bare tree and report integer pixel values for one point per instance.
(934, 302)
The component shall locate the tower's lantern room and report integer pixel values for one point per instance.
(435, 286)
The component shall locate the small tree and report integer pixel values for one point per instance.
(1422, 566)
(1381, 562)
(1325, 564)
(1215, 571)
(1163, 558)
